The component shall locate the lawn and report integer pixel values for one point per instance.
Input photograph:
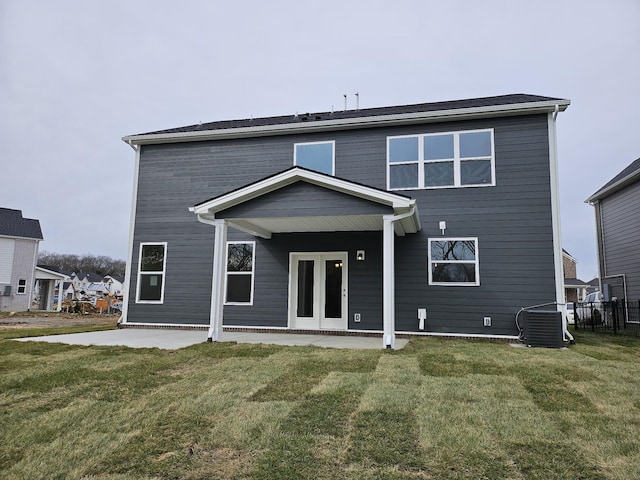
(439, 409)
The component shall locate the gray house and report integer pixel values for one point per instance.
(436, 218)
(19, 239)
(617, 209)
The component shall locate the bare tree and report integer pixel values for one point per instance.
(101, 264)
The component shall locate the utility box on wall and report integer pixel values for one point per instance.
(543, 328)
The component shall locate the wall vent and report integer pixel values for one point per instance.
(543, 328)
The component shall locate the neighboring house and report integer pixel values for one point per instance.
(86, 284)
(19, 240)
(114, 285)
(49, 284)
(437, 218)
(593, 285)
(617, 207)
(574, 288)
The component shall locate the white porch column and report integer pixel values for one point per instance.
(388, 283)
(60, 291)
(217, 281)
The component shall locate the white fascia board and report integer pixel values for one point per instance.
(295, 174)
(46, 274)
(13, 237)
(347, 123)
(623, 182)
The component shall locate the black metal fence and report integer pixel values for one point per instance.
(619, 317)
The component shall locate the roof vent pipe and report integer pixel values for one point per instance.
(357, 101)
(345, 102)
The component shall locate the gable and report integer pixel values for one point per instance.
(303, 199)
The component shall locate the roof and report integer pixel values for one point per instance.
(415, 113)
(574, 282)
(629, 175)
(265, 226)
(12, 224)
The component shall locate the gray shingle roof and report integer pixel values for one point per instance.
(12, 224)
(629, 175)
(511, 99)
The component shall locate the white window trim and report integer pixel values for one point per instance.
(24, 287)
(333, 154)
(457, 180)
(476, 262)
(227, 273)
(163, 273)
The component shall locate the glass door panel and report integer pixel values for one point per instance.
(305, 288)
(333, 289)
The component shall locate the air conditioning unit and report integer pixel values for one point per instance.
(542, 328)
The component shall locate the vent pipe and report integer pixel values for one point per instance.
(357, 101)
(345, 102)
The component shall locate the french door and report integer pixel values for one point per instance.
(318, 290)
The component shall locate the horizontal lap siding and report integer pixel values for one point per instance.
(511, 220)
(621, 229)
(303, 199)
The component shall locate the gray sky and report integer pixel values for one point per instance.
(77, 75)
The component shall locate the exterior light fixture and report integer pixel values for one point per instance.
(360, 255)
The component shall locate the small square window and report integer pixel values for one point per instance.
(315, 156)
(22, 287)
(454, 262)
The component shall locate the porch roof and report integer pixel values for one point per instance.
(265, 226)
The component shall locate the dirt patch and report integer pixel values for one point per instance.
(33, 320)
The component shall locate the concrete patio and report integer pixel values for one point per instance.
(170, 339)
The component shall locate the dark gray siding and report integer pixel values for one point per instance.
(270, 303)
(620, 228)
(303, 199)
(511, 220)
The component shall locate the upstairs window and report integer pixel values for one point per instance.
(318, 156)
(151, 272)
(240, 261)
(441, 160)
(454, 262)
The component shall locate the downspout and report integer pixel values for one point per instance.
(555, 215)
(217, 294)
(388, 280)
(132, 222)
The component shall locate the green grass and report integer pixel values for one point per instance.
(439, 409)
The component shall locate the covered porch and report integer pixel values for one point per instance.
(298, 201)
(45, 281)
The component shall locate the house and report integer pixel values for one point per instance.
(19, 241)
(574, 288)
(617, 207)
(114, 285)
(435, 218)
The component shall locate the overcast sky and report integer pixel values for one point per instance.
(77, 75)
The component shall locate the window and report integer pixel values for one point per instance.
(454, 261)
(240, 261)
(22, 286)
(151, 270)
(317, 156)
(441, 160)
